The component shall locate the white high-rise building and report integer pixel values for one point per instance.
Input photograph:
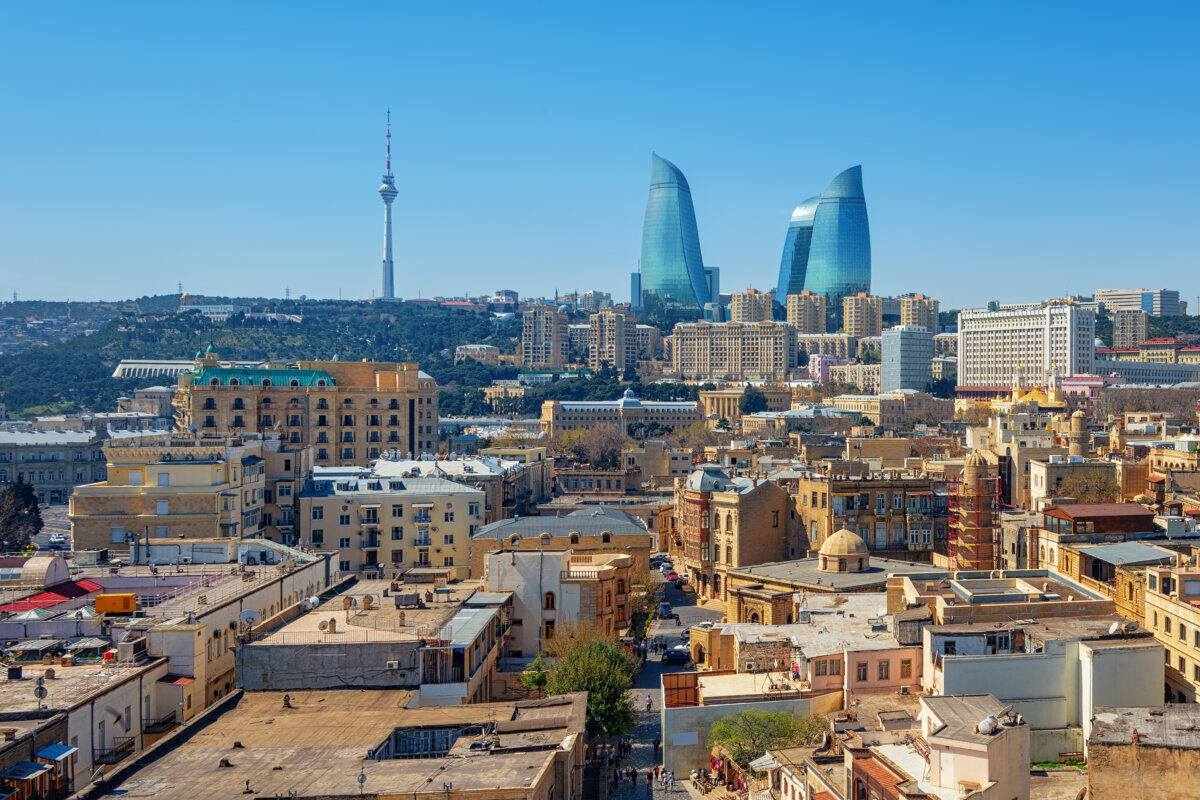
(999, 342)
(907, 359)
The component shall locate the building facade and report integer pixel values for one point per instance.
(733, 351)
(906, 359)
(612, 341)
(1155, 302)
(862, 315)
(806, 312)
(1130, 327)
(672, 268)
(751, 306)
(866, 377)
(917, 309)
(568, 415)
(348, 411)
(999, 342)
(53, 463)
(545, 341)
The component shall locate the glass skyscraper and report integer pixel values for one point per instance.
(794, 265)
(839, 257)
(672, 268)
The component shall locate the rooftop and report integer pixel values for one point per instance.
(1085, 510)
(854, 621)
(320, 745)
(585, 522)
(805, 572)
(1172, 725)
(70, 685)
(960, 715)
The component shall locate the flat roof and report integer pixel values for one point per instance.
(805, 571)
(961, 713)
(1082, 510)
(1130, 553)
(69, 685)
(319, 746)
(1172, 725)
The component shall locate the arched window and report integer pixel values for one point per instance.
(754, 617)
(515, 540)
(574, 538)
(548, 601)
(606, 537)
(214, 382)
(293, 382)
(728, 522)
(234, 382)
(608, 598)
(267, 382)
(545, 539)
(322, 382)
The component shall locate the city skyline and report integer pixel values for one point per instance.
(265, 153)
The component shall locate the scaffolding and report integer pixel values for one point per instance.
(973, 510)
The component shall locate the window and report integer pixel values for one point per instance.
(397, 556)
(548, 601)
(397, 510)
(835, 667)
(344, 543)
(135, 478)
(548, 629)
(161, 507)
(318, 512)
(606, 537)
(774, 519)
(318, 537)
(822, 667)
(285, 490)
(116, 533)
(164, 479)
(574, 538)
(1182, 632)
(448, 538)
(128, 718)
(344, 566)
(448, 516)
(397, 533)
(949, 648)
(885, 669)
(906, 668)
(343, 519)
(860, 672)
(473, 509)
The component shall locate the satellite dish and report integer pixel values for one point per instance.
(250, 615)
(314, 601)
(323, 625)
(1004, 712)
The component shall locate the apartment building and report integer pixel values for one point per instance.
(1172, 602)
(348, 411)
(1130, 327)
(907, 358)
(649, 341)
(215, 487)
(545, 342)
(381, 523)
(751, 306)
(999, 342)
(840, 345)
(53, 463)
(806, 312)
(862, 315)
(483, 353)
(945, 344)
(917, 309)
(764, 351)
(658, 462)
(868, 378)
(612, 341)
(585, 532)
(890, 514)
(559, 590)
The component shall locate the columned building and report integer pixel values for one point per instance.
(567, 415)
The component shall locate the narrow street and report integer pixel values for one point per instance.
(647, 726)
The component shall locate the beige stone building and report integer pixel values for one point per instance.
(612, 341)
(806, 312)
(568, 415)
(867, 377)
(483, 353)
(764, 351)
(1172, 597)
(658, 462)
(545, 341)
(387, 523)
(890, 514)
(649, 341)
(917, 309)
(751, 306)
(348, 411)
(827, 344)
(862, 315)
(1130, 327)
(196, 488)
(500, 392)
(586, 532)
(945, 344)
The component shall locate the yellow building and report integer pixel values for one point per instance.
(196, 488)
(806, 312)
(612, 341)
(917, 309)
(568, 415)
(587, 532)
(499, 392)
(1130, 327)
(827, 344)
(390, 523)
(726, 403)
(764, 351)
(862, 315)
(545, 340)
(751, 306)
(348, 411)
(867, 377)
(1172, 597)
(483, 353)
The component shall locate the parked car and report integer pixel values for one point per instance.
(672, 575)
(677, 655)
(706, 624)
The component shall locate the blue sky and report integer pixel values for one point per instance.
(1009, 151)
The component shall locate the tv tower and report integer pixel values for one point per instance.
(388, 192)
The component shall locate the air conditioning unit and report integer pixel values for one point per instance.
(393, 665)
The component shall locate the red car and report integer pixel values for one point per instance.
(672, 575)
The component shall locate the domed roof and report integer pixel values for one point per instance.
(1078, 413)
(844, 543)
(708, 478)
(628, 400)
(975, 459)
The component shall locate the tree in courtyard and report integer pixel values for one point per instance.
(600, 446)
(600, 666)
(753, 401)
(536, 674)
(20, 519)
(1091, 485)
(748, 734)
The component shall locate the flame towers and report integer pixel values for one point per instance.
(794, 265)
(388, 192)
(839, 256)
(672, 269)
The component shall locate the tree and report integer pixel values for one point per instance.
(601, 446)
(753, 401)
(600, 666)
(1091, 485)
(20, 519)
(536, 674)
(748, 734)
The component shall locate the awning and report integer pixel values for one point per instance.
(422, 505)
(368, 505)
(36, 645)
(24, 771)
(1128, 554)
(176, 680)
(89, 644)
(764, 763)
(55, 752)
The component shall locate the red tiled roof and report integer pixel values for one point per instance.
(1162, 340)
(1102, 510)
(54, 595)
(177, 680)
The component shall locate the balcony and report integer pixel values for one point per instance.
(163, 723)
(422, 541)
(422, 519)
(121, 749)
(369, 543)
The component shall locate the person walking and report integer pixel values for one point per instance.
(656, 745)
(649, 703)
